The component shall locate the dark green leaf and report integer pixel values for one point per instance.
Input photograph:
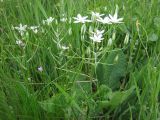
(113, 69)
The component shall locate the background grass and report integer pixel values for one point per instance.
(71, 85)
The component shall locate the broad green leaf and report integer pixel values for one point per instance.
(103, 92)
(113, 69)
(116, 99)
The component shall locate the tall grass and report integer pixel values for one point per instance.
(88, 80)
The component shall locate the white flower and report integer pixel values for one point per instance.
(48, 21)
(20, 43)
(81, 19)
(114, 18)
(64, 47)
(21, 29)
(105, 20)
(98, 32)
(40, 68)
(95, 16)
(63, 19)
(34, 29)
(97, 36)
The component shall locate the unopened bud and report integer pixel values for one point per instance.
(109, 42)
(126, 40)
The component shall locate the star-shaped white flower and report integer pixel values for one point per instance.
(81, 19)
(20, 43)
(95, 16)
(34, 29)
(99, 32)
(114, 18)
(97, 36)
(105, 20)
(21, 28)
(48, 21)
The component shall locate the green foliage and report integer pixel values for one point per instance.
(115, 99)
(88, 80)
(55, 105)
(113, 69)
(153, 37)
(6, 111)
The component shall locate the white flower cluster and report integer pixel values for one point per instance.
(96, 35)
(23, 28)
(110, 19)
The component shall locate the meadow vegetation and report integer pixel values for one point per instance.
(79, 59)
